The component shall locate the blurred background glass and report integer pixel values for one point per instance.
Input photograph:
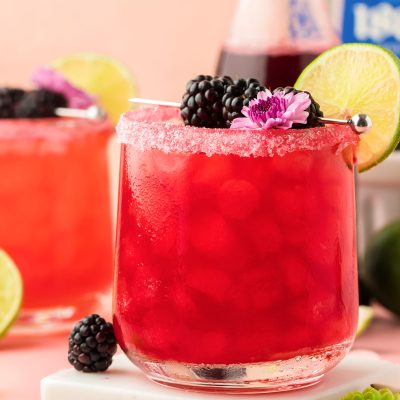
(163, 44)
(285, 36)
(55, 215)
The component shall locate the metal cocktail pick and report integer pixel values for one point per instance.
(92, 112)
(360, 123)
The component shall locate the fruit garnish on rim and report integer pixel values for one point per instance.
(360, 123)
(274, 204)
(52, 96)
(354, 78)
(77, 102)
(354, 84)
(220, 102)
(105, 78)
(78, 86)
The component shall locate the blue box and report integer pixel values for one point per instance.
(372, 21)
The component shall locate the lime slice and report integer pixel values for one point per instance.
(104, 77)
(359, 78)
(365, 316)
(10, 292)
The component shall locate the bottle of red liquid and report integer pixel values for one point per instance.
(273, 40)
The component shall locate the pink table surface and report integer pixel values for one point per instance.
(23, 362)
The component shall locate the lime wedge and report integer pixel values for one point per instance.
(365, 316)
(10, 292)
(103, 77)
(359, 78)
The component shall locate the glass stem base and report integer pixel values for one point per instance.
(37, 321)
(49, 320)
(263, 377)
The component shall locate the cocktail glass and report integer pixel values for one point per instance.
(55, 217)
(236, 255)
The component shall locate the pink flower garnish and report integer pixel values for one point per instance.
(274, 110)
(48, 78)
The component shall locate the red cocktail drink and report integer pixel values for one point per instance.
(236, 258)
(55, 214)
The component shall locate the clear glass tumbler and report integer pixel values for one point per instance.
(55, 216)
(236, 256)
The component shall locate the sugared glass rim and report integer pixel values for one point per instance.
(52, 129)
(161, 128)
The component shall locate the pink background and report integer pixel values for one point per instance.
(164, 43)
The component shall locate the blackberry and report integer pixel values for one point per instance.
(39, 104)
(9, 97)
(202, 102)
(313, 110)
(92, 344)
(237, 95)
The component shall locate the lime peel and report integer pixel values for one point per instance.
(11, 289)
(104, 77)
(359, 78)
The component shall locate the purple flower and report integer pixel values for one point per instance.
(48, 78)
(277, 110)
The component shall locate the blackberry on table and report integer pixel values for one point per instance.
(92, 344)
(9, 97)
(237, 95)
(313, 110)
(39, 104)
(201, 104)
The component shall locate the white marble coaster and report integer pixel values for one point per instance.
(123, 381)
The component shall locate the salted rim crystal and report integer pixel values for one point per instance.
(161, 128)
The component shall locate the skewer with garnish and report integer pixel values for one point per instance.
(92, 112)
(360, 123)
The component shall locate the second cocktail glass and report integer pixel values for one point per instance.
(56, 216)
(236, 256)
